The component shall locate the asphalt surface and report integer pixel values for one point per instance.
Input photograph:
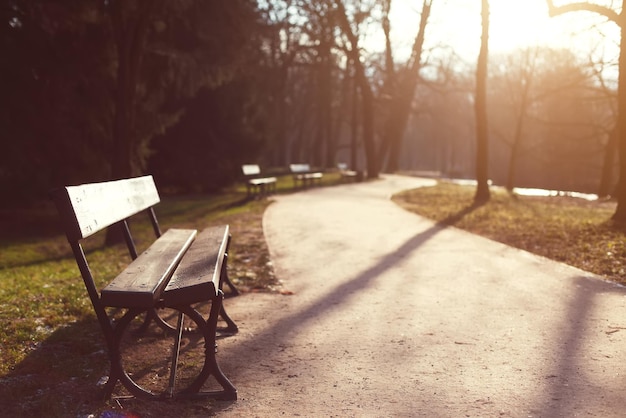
(392, 315)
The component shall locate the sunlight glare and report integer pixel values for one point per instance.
(514, 24)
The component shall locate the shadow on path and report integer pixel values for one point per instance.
(455, 218)
(563, 383)
(338, 295)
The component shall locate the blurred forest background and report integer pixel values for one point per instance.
(188, 90)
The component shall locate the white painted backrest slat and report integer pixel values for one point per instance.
(251, 169)
(98, 205)
(299, 168)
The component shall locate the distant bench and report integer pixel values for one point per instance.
(255, 182)
(303, 175)
(179, 269)
(345, 173)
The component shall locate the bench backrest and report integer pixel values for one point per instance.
(299, 168)
(89, 208)
(251, 169)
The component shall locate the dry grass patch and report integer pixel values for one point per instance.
(571, 230)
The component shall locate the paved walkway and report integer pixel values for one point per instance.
(394, 316)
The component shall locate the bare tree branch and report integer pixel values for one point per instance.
(584, 6)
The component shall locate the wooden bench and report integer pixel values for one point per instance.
(255, 182)
(345, 173)
(303, 175)
(181, 270)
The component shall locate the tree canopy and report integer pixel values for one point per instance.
(188, 90)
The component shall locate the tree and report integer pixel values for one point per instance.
(519, 73)
(606, 186)
(482, 129)
(280, 47)
(575, 116)
(620, 20)
(80, 74)
(528, 84)
(397, 91)
(206, 67)
(321, 27)
(56, 101)
(130, 22)
(402, 88)
(304, 81)
(367, 94)
(167, 52)
(445, 120)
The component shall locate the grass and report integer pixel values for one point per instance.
(566, 229)
(52, 352)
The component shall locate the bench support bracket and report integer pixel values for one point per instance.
(206, 328)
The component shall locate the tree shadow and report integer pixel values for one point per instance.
(553, 400)
(61, 252)
(615, 226)
(279, 333)
(63, 374)
(457, 217)
(66, 365)
(80, 344)
(567, 384)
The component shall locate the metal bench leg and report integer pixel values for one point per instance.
(117, 372)
(228, 392)
(226, 280)
(231, 326)
(224, 274)
(207, 329)
(175, 354)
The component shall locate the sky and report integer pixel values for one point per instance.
(514, 24)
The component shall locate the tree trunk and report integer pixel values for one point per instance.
(130, 38)
(515, 147)
(482, 130)
(620, 212)
(403, 97)
(367, 117)
(354, 125)
(367, 96)
(121, 166)
(327, 104)
(619, 19)
(608, 165)
(281, 126)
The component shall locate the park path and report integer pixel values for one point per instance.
(392, 315)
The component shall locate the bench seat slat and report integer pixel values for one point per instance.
(310, 176)
(197, 277)
(264, 180)
(141, 283)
